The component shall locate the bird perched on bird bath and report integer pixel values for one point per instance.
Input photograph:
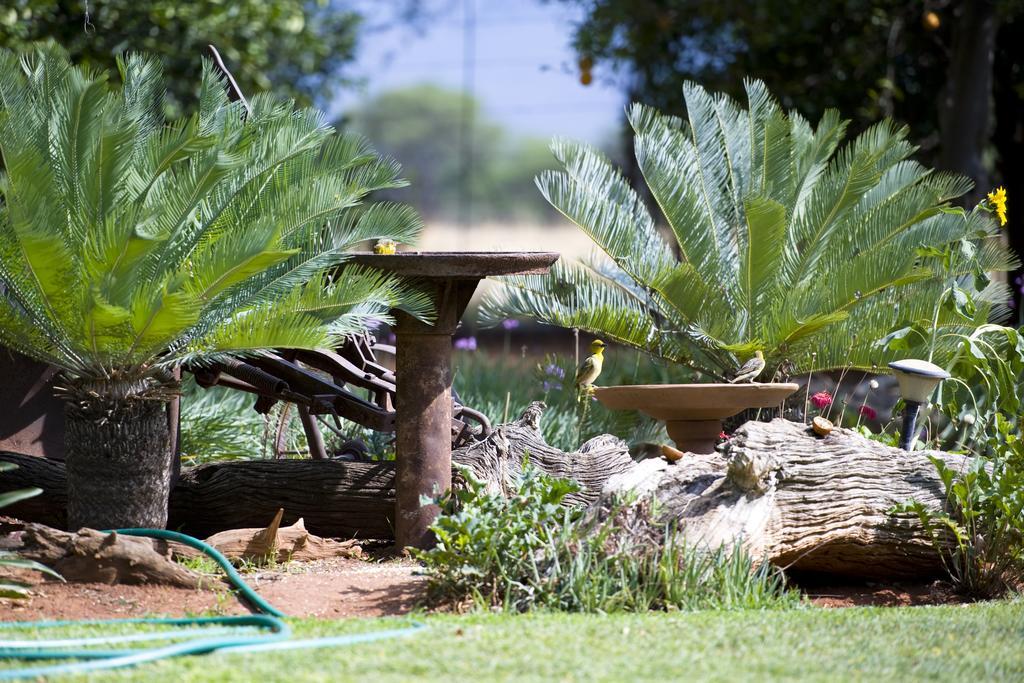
(750, 370)
(591, 367)
(385, 247)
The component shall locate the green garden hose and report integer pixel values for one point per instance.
(263, 632)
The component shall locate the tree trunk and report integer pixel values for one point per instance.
(1008, 138)
(357, 499)
(118, 462)
(964, 107)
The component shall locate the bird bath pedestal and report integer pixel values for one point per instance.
(423, 399)
(693, 413)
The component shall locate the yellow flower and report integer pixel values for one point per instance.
(998, 201)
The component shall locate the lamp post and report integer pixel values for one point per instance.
(917, 380)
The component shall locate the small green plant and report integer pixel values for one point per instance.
(528, 551)
(985, 403)
(487, 544)
(980, 534)
(200, 563)
(610, 571)
(10, 588)
(886, 437)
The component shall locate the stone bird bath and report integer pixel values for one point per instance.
(693, 413)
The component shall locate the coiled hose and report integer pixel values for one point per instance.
(252, 633)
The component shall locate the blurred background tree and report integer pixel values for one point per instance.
(420, 126)
(297, 47)
(951, 69)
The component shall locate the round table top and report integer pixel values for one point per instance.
(459, 265)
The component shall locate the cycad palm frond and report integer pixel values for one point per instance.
(130, 242)
(784, 239)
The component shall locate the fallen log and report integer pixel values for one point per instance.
(798, 500)
(335, 498)
(789, 496)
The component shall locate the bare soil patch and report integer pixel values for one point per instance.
(873, 595)
(386, 584)
(325, 588)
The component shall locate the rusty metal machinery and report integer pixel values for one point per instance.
(322, 384)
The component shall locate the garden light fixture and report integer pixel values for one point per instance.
(917, 379)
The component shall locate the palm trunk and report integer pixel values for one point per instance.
(118, 460)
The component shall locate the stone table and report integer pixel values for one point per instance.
(423, 400)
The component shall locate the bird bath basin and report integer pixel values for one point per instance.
(693, 413)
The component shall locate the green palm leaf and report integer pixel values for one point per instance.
(128, 243)
(786, 240)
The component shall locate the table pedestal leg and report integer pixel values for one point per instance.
(423, 403)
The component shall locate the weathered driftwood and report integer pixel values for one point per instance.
(335, 498)
(282, 543)
(799, 500)
(89, 556)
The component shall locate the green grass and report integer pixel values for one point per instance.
(980, 642)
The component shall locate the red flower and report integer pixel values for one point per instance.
(868, 412)
(821, 400)
(723, 436)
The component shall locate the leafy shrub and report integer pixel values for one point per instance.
(9, 560)
(528, 551)
(986, 402)
(489, 546)
(980, 534)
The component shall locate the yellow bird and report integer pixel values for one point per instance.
(750, 370)
(591, 367)
(386, 247)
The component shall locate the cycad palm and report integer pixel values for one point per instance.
(129, 244)
(781, 242)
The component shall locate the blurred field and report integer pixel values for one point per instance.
(564, 238)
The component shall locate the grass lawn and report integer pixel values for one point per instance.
(983, 642)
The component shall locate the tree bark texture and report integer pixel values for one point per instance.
(800, 501)
(790, 497)
(118, 460)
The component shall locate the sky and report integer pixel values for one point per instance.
(524, 71)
